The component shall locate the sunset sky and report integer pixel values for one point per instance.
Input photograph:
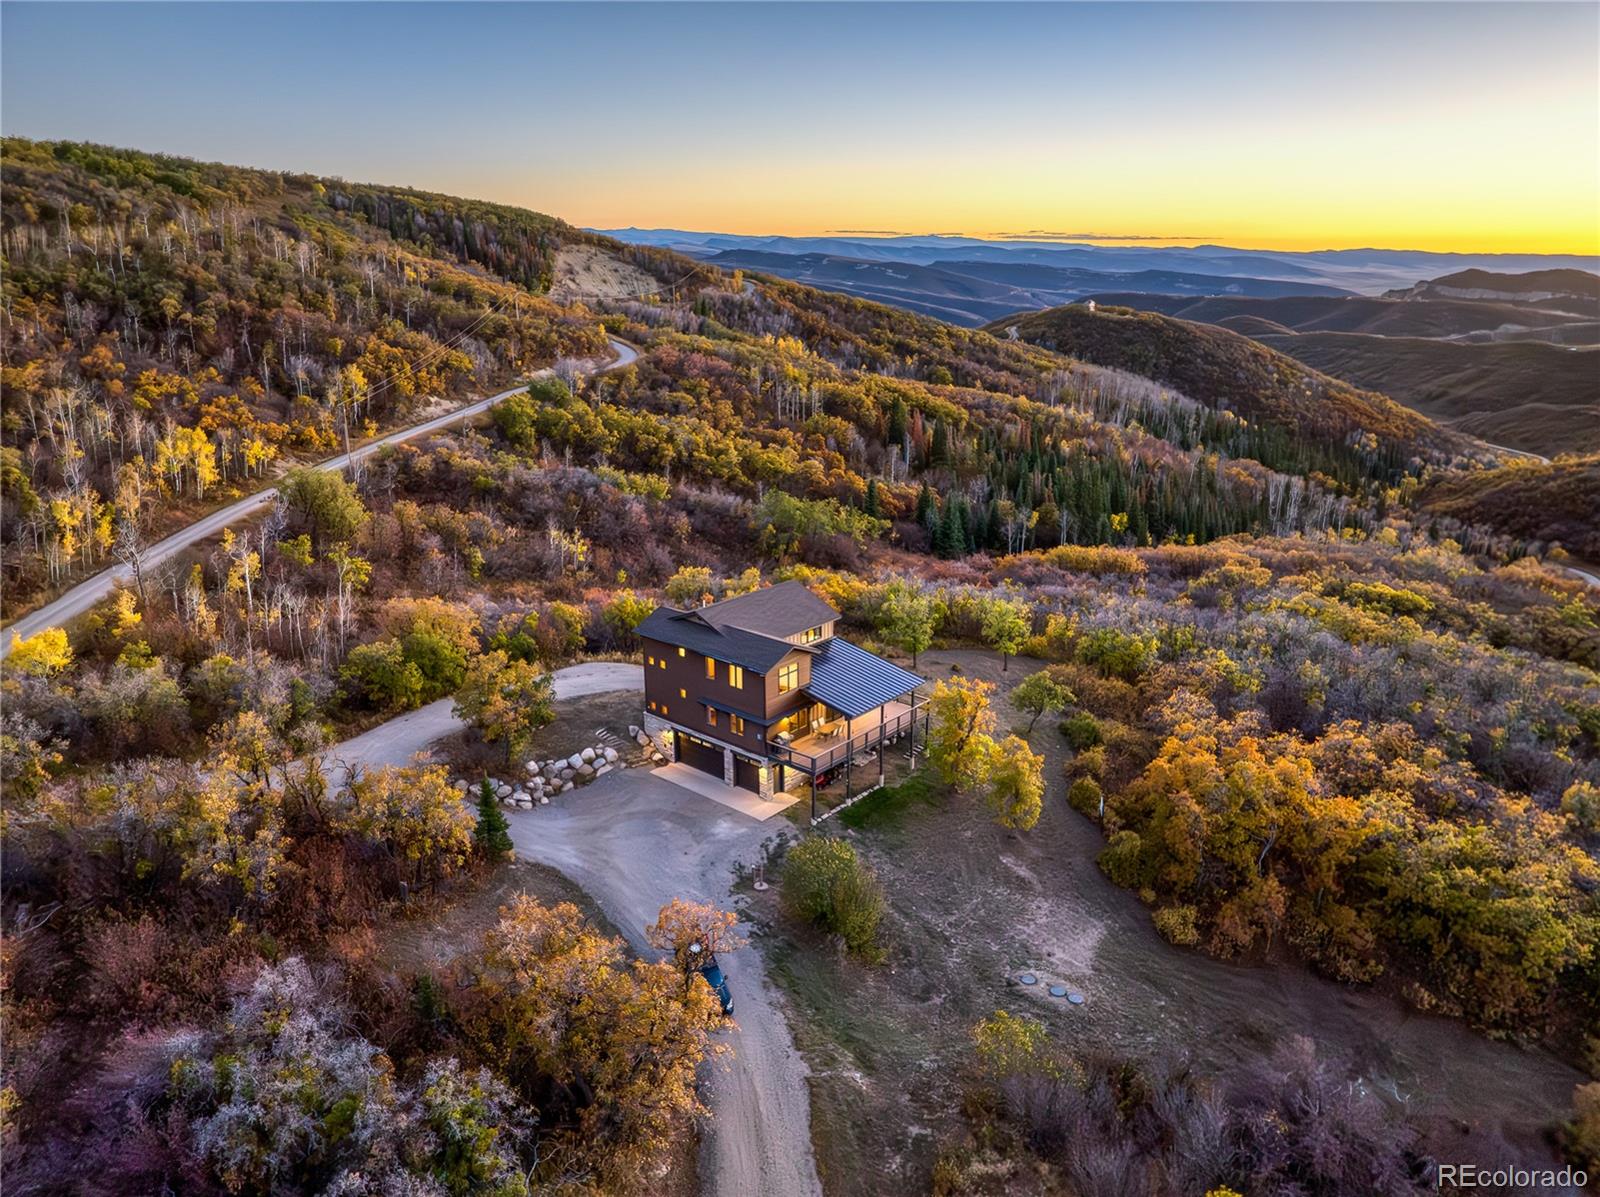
(1473, 128)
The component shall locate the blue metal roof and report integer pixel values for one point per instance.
(852, 681)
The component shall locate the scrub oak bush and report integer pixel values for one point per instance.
(826, 884)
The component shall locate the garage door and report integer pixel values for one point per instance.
(745, 774)
(699, 754)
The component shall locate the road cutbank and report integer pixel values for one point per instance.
(78, 600)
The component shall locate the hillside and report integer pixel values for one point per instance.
(190, 328)
(1558, 290)
(1336, 736)
(1527, 395)
(1501, 371)
(1551, 502)
(1230, 372)
(1388, 317)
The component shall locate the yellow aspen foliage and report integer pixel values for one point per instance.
(40, 655)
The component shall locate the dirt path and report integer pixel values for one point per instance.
(633, 842)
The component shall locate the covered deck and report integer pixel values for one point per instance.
(863, 705)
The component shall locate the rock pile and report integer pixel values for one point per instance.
(557, 775)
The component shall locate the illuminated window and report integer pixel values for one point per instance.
(736, 676)
(681, 653)
(736, 724)
(711, 716)
(663, 708)
(682, 693)
(651, 705)
(811, 635)
(788, 677)
(649, 660)
(662, 662)
(711, 669)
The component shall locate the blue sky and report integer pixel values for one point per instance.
(1260, 123)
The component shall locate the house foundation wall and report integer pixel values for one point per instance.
(660, 733)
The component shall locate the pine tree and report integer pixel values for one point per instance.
(899, 420)
(927, 513)
(493, 833)
(874, 507)
(939, 453)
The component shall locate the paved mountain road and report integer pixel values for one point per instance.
(87, 593)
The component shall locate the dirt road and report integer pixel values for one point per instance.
(633, 842)
(87, 593)
(398, 740)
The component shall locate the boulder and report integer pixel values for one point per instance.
(552, 770)
(524, 803)
(587, 754)
(610, 754)
(599, 769)
(565, 786)
(566, 774)
(644, 740)
(575, 760)
(502, 789)
(544, 799)
(633, 730)
(585, 770)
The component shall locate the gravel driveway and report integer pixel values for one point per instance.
(398, 740)
(633, 842)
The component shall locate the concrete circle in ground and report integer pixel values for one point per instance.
(1028, 979)
(1075, 998)
(1058, 991)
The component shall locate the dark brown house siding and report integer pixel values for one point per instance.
(676, 684)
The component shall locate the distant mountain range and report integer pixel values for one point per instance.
(1500, 346)
(970, 280)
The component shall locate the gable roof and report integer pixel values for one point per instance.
(751, 650)
(747, 630)
(852, 681)
(786, 609)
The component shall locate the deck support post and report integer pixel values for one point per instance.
(849, 757)
(882, 748)
(913, 731)
(813, 795)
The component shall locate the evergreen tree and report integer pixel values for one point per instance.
(493, 833)
(899, 421)
(874, 506)
(927, 512)
(939, 452)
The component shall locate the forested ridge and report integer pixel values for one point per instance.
(1310, 718)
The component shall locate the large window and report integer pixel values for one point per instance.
(711, 669)
(811, 635)
(736, 724)
(788, 677)
(736, 676)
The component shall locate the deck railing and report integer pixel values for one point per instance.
(822, 756)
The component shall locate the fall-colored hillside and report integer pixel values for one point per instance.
(1556, 502)
(1231, 372)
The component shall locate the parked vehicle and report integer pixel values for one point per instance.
(714, 977)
